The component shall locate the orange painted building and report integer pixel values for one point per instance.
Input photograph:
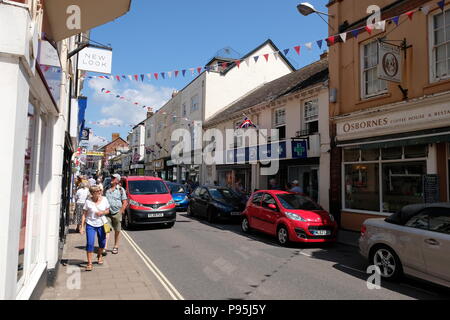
(390, 135)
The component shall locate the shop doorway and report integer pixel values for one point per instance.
(308, 178)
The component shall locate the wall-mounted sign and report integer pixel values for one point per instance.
(85, 134)
(389, 62)
(96, 154)
(299, 150)
(95, 60)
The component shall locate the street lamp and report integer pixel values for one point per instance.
(306, 8)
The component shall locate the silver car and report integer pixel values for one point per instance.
(414, 241)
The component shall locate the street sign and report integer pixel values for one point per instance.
(389, 62)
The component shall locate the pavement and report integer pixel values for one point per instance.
(349, 238)
(122, 277)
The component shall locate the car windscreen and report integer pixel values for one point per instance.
(223, 194)
(143, 187)
(176, 188)
(297, 202)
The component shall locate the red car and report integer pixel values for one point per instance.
(292, 217)
(149, 202)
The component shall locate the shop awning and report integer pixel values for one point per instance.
(93, 13)
(398, 141)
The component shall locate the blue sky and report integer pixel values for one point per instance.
(167, 35)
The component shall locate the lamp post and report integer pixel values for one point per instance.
(306, 8)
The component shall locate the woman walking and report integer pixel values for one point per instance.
(80, 199)
(92, 223)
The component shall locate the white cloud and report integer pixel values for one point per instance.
(94, 141)
(110, 122)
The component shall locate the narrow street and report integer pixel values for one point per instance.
(217, 261)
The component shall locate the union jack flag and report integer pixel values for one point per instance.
(247, 123)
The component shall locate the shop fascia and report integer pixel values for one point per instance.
(214, 153)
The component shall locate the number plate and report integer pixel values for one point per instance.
(156, 215)
(235, 213)
(321, 232)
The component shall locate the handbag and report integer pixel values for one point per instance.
(106, 226)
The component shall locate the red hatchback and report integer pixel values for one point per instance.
(291, 217)
(150, 202)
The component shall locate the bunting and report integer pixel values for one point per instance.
(118, 96)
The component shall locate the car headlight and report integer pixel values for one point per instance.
(135, 203)
(185, 198)
(331, 217)
(170, 202)
(295, 217)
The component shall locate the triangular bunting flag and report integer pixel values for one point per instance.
(331, 40)
(169, 74)
(396, 20)
(184, 73)
(343, 36)
(355, 33)
(441, 4)
(199, 70)
(369, 28)
(381, 25)
(118, 78)
(136, 77)
(176, 73)
(266, 56)
(107, 77)
(247, 61)
(256, 58)
(163, 75)
(142, 77)
(309, 45)
(410, 14)
(156, 76)
(103, 89)
(425, 9)
(192, 71)
(149, 75)
(286, 51)
(238, 63)
(130, 77)
(224, 65)
(297, 49)
(319, 43)
(124, 77)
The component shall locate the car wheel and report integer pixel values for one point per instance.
(387, 260)
(170, 225)
(283, 236)
(126, 222)
(245, 225)
(190, 212)
(210, 215)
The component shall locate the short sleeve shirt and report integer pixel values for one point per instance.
(91, 218)
(115, 199)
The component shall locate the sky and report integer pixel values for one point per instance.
(167, 35)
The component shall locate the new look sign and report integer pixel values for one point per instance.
(95, 60)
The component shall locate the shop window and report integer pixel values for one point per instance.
(351, 155)
(370, 155)
(402, 184)
(393, 153)
(362, 187)
(414, 152)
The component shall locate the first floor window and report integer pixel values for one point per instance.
(372, 86)
(279, 123)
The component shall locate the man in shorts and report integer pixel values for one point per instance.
(118, 202)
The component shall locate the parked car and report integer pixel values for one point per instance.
(415, 241)
(180, 195)
(150, 202)
(291, 217)
(214, 202)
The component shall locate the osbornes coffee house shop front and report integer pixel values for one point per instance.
(393, 156)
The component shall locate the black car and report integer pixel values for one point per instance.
(213, 202)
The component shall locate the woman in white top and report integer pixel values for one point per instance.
(94, 211)
(80, 199)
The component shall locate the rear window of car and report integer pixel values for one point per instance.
(177, 188)
(144, 187)
(297, 202)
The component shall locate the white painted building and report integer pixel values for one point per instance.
(39, 128)
(295, 104)
(210, 92)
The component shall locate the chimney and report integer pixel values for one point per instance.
(115, 136)
(324, 55)
(149, 112)
(174, 93)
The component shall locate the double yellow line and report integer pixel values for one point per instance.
(173, 292)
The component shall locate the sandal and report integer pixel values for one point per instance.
(89, 267)
(100, 259)
(115, 250)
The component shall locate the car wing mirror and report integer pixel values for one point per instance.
(273, 207)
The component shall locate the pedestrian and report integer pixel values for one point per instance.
(273, 185)
(117, 199)
(296, 188)
(93, 221)
(80, 199)
(92, 181)
(288, 186)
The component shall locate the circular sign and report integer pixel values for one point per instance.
(390, 64)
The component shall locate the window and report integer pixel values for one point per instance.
(383, 180)
(440, 44)
(268, 199)
(238, 135)
(420, 221)
(184, 110)
(257, 199)
(279, 122)
(440, 222)
(195, 103)
(371, 85)
(311, 114)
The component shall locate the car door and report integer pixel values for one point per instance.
(268, 217)
(202, 202)
(252, 211)
(436, 244)
(194, 200)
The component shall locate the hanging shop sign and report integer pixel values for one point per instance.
(389, 62)
(85, 134)
(95, 60)
(299, 150)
